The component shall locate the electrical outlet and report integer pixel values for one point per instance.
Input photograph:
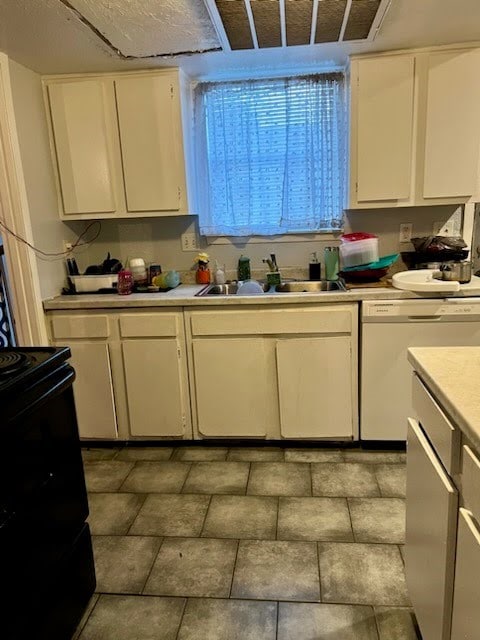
(189, 242)
(405, 234)
(452, 227)
(68, 246)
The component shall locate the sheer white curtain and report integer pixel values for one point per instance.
(271, 155)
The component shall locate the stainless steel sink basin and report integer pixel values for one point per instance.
(309, 286)
(299, 286)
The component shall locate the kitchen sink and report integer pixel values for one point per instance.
(297, 286)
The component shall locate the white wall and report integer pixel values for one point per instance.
(48, 230)
(159, 240)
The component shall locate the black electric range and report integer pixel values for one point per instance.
(47, 574)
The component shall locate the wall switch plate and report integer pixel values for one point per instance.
(405, 234)
(452, 227)
(189, 242)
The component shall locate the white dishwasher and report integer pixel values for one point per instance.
(389, 328)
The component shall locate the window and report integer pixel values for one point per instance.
(271, 155)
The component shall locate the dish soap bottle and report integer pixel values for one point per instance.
(314, 268)
(244, 268)
(219, 276)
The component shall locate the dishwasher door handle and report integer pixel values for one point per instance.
(424, 318)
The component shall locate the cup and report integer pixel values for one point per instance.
(331, 259)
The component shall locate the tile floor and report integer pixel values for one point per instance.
(210, 543)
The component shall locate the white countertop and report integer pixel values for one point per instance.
(184, 296)
(453, 375)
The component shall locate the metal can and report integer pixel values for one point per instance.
(153, 270)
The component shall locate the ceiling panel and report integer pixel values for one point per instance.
(360, 19)
(298, 16)
(142, 28)
(329, 20)
(266, 14)
(235, 20)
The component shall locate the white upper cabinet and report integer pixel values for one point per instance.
(118, 145)
(415, 131)
(84, 142)
(384, 128)
(452, 141)
(151, 140)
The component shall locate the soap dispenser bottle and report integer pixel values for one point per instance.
(314, 268)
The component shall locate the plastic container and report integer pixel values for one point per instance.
(358, 249)
(85, 284)
(139, 271)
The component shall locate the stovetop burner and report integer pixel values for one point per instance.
(12, 362)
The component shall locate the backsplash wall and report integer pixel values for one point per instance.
(158, 240)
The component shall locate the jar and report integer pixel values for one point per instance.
(139, 271)
(125, 283)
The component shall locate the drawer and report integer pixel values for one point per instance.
(471, 481)
(328, 319)
(92, 326)
(445, 438)
(466, 596)
(151, 325)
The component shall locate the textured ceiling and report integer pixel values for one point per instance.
(144, 28)
(48, 37)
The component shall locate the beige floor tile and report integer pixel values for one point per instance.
(145, 453)
(353, 573)
(171, 515)
(314, 519)
(86, 614)
(193, 567)
(122, 563)
(313, 455)
(274, 570)
(378, 519)
(113, 513)
(344, 480)
(299, 621)
(280, 479)
(134, 618)
(156, 477)
(375, 457)
(247, 517)
(250, 454)
(106, 475)
(392, 480)
(396, 624)
(201, 454)
(97, 454)
(228, 620)
(217, 477)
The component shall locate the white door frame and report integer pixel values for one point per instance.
(24, 283)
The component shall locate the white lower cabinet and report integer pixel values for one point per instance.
(432, 504)
(274, 373)
(466, 599)
(231, 388)
(155, 394)
(93, 390)
(315, 387)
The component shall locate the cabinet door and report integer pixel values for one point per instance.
(155, 395)
(385, 95)
(148, 112)
(452, 142)
(432, 503)
(315, 387)
(466, 612)
(82, 124)
(93, 390)
(233, 394)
